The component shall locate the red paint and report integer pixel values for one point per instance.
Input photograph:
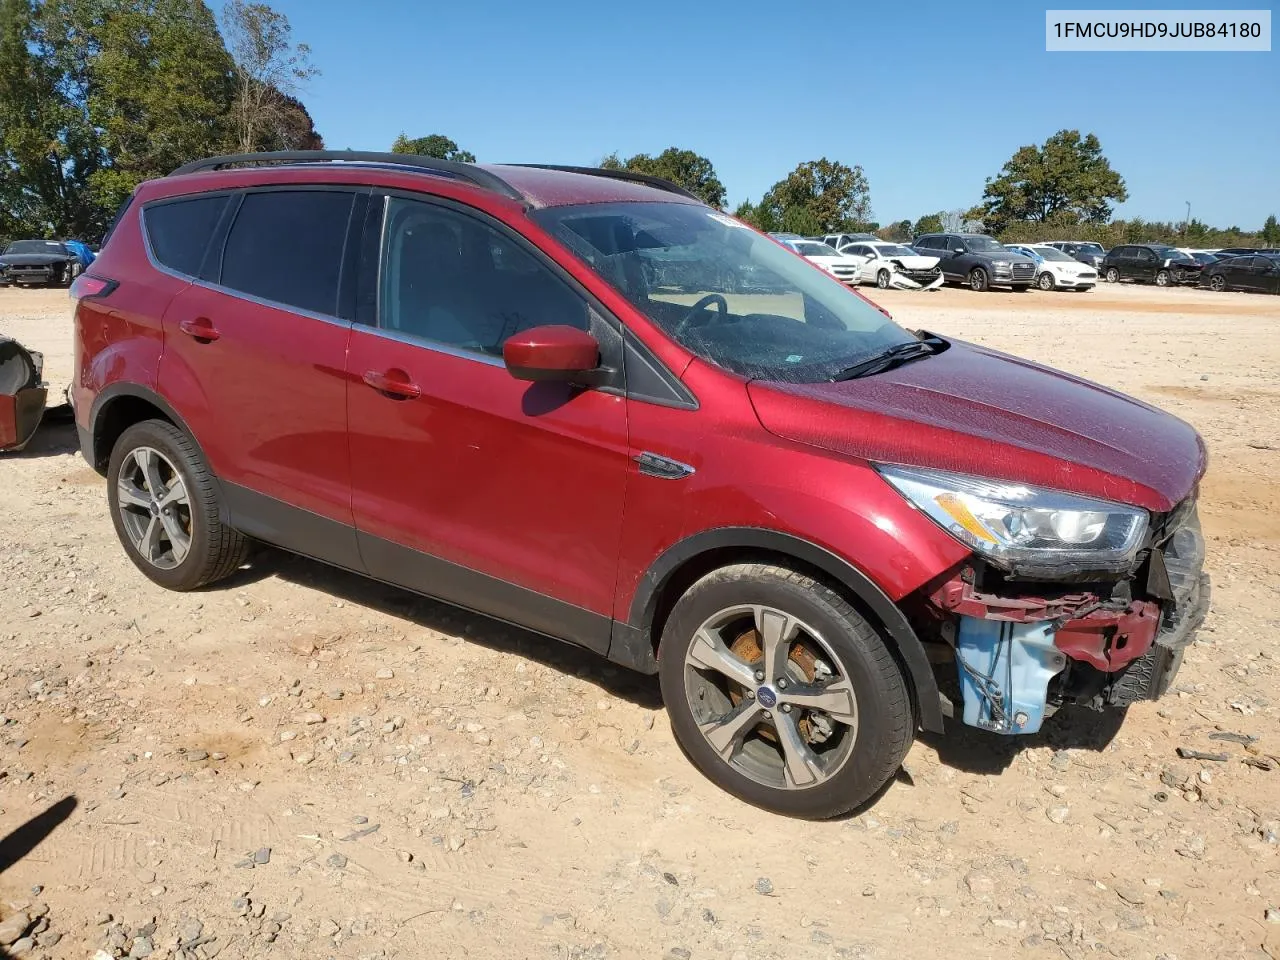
(536, 484)
(548, 353)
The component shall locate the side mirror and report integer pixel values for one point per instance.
(957, 250)
(552, 352)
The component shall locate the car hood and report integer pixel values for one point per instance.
(916, 262)
(1001, 255)
(34, 259)
(981, 412)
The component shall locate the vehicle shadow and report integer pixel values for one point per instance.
(476, 628)
(29, 835)
(979, 751)
(55, 436)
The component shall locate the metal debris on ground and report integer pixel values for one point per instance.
(1186, 753)
(22, 393)
(1244, 739)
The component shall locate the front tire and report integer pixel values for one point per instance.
(781, 693)
(1113, 275)
(164, 505)
(978, 279)
(1046, 281)
(882, 279)
(1162, 278)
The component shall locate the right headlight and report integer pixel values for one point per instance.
(1020, 526)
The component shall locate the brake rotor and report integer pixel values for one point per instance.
(747, 647)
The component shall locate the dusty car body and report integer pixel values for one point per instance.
(893, 266)
(28, 262)
(22, 393)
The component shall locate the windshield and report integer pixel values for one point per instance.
(982, 244)
(1051, 253)
(894, 250)
(727, 294)
(812, 248)
(35, 246)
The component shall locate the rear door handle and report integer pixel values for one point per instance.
(201, 328)
(394, 383)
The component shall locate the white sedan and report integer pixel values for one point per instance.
(893, 265)
(1056, 270)
(843, 268)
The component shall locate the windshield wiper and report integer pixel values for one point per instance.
(895, 356)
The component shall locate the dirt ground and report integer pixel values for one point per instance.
(303, 764)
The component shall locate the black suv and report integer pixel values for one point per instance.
(978, 260)
(1150, 263)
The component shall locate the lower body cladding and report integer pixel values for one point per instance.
(1019, 658)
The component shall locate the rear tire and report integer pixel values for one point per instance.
(978, 280)
(164, 505)
(783, 755)
(1217, 283)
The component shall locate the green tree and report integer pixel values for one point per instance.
(1067, 179)
(929, 223)
(436, 145)
(896, 232)
(156, 79)
(820, 196)
(690, 170)
(48, 150)
(269, 69)
(1271, 232)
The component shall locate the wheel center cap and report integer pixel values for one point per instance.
(766, 697)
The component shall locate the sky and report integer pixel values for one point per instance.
(930, 98)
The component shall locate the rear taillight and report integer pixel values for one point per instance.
(88, 287)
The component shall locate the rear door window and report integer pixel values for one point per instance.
(179, 231)
(287, 246)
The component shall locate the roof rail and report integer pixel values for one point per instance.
(657, 182)
(451, 168)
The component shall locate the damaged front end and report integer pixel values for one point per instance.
(1023, 648)
(22, 394)
(907, 278)
(1065, 599)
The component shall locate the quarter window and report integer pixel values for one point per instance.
(179, 231)
(286, 246)
(453, 280)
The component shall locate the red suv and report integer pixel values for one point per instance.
(583, 402)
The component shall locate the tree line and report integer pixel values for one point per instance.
(98, 95)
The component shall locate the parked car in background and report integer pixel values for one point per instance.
(1203, 257)
(1260, 274)
(1150, 263)
(1237, 251)
(842, 240)
(1086, 251)
(30, 262)
(1057, 270)
(796, 509)
(843, 268)
(84, 253)
(978, 260)
(893, 265)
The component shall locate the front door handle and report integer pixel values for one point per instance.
(201, 328)
(394, 383)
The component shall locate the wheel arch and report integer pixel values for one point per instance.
(120, 406)
(635, 642)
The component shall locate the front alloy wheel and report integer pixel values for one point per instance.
(882, 279)
(1046, 281)
(1162, 278)
(978, 279)
(781, 693)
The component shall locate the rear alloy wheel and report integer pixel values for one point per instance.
(1046, 281)
(1113, 275)
(781, 693)
(1162, 278)
(1217, 283)
(978, 279)
(882, 279)
(165, 509)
